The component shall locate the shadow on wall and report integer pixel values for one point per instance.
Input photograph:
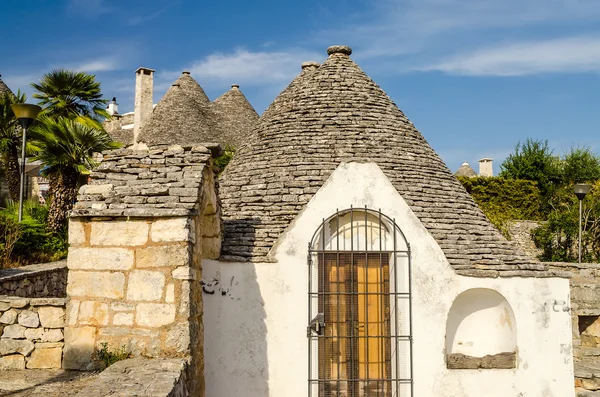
(235, 332)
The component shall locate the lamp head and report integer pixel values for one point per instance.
(25, 113)
(581, 190)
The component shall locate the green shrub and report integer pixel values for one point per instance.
(109, 357)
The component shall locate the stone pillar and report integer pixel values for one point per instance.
(135, 283)
(144, 87)
(485, 167)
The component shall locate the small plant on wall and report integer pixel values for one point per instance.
(110, 356)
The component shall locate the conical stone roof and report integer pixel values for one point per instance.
(334, 114)
(181, 117)
(235, 118)
(4, 88)
(466, 170)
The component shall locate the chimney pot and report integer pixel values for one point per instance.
(144, 87)
(486, 168)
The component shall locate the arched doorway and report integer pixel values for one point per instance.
(360, 333)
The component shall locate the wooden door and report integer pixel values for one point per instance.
(354, 350)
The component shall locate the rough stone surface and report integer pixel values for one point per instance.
(11, 346)
(235, 117)
(9, 317)
(45, 358)
(145, 286)
(96, 284)
(333, 114)
(123, 319)
(76, 230)
(14, 331)
(46, 383)
(496, 361)
(155, 314)
(28, 319)
(52, 317)
(127, 233)
(169, 230)
(162, 181)
(163, 256)
(101, 258)
(12, 362)
(93, 313)
(35, 281)
(79, 347)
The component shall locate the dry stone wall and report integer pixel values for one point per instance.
(35, 281)
(129, 284)
(31, 332)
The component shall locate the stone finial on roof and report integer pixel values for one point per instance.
(310, 65)
(339, 49)
(335, 114)
(235, 86)
(466, 170)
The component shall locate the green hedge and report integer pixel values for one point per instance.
(503, 199)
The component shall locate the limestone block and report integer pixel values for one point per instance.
(170, 293)
(72, 311)
(18, 303)
(4, 306)
(47, 345)
(52, 317)
(122, 307)
(11, 346)
(14, 361)
(96, 190)
(79, 347)
(53, 335)
(163, 256)
(185, 273)
(93, 313)
(155, 315)
(178, 338)
(45, 358)
(121, 331)
(123, 319)
(100, 258)
(34, 333)
(123, 233)
(28, 319)
(76, 232)
(145, 286)
(184, 305)
(96, 284)
(175, 229)
(14, 331)
(9, 317)
(48, 302)
(211, 247)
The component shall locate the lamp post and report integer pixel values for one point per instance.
(26, 114)
(580, 190)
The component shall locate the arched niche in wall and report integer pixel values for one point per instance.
(481, 331)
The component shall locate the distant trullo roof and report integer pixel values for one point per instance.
(235, 117)
(337, 113)
(466, 170)
(4, 88)
(181, 117)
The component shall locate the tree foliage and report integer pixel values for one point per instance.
(533, 161)
(10, 141)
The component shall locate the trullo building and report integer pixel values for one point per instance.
(349, 262)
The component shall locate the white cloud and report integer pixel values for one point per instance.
(574, 54)
(140, 19)
(245, 67)
(97, 65)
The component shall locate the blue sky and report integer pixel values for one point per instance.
(475, 76)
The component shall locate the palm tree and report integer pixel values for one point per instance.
(71, 94)
(66, 147)
(10, 141)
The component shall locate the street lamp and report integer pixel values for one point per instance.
(26, 114)
(581, 190)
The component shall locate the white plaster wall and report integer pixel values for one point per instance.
(255, 314)
(481, 322)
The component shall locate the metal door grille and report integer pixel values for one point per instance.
(359, 332)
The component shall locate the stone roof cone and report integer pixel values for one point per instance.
(337, 113)
(236, 118)
(181, 117)
(4, 88)
(466, 170)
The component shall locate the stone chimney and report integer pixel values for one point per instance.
(113, 107)
(144, 87)
(485, 167)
